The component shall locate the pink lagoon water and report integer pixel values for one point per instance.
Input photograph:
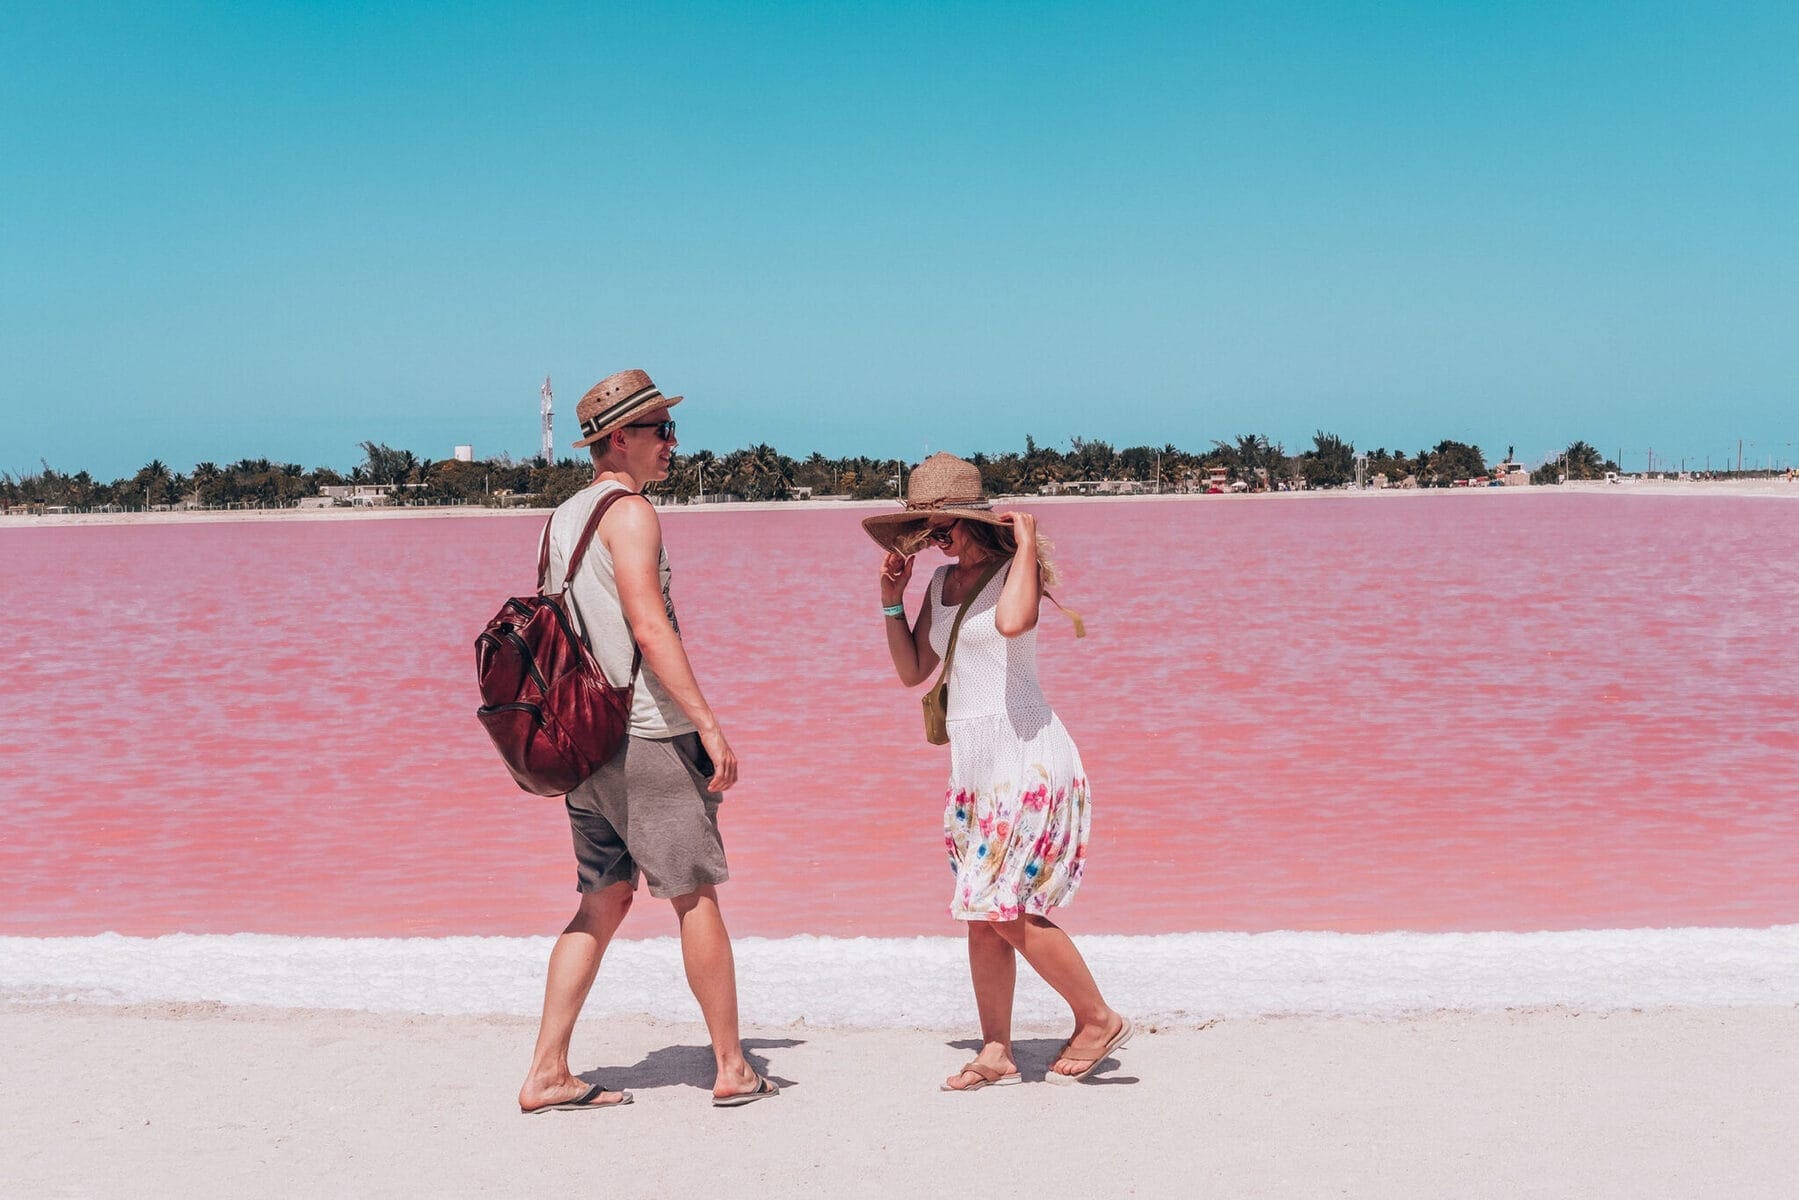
(1471, 712)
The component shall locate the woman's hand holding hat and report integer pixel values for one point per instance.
(1024, 532)
(896, 572)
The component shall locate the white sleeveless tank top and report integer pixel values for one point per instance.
(600, 618)
(992, 675)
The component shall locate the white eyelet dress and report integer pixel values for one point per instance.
(1016, 814)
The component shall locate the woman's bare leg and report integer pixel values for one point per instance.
(1052, 954)
(993, 964)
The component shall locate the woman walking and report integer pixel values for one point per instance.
(1016, 811)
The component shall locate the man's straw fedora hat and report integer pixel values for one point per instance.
(941, 485)
(612, 402)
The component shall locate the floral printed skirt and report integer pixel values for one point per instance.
(1016, 816)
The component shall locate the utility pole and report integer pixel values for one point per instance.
(1739, 456)
(549, 444)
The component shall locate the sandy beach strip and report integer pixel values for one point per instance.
(211, 1101)
(1774, 488)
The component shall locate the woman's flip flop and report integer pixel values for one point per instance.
(1092, 1053)
(988, 1078)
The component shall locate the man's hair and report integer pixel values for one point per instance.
(600, 449)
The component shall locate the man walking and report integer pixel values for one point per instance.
(653, 809)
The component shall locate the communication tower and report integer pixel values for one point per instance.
(549, 444)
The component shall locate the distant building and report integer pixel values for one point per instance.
(359, 493)
(1092, 487)
(465, 454)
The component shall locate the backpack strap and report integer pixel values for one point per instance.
(574, 561)
(581, 543)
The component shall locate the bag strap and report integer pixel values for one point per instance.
(574, 561)
(1074, 618)
(949, 652)
(581, 544)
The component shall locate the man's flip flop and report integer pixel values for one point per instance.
(1093, 1053)
(584, 1100)
(988, 1078)
(762, 1091)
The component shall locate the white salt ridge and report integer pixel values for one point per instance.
(923, 982)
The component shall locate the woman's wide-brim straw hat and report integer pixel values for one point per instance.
(612, 403)
(942, 485)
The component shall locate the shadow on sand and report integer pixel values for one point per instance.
(688, 1066)
(1035, 1056)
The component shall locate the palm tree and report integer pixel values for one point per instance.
(689, 475)
(759, 473)
(1582, 461)
(1331, 460)
(153, 484)
(205, 479)
(1259, 461)
(1041, 466)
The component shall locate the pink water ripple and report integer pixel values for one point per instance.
(1431, 713)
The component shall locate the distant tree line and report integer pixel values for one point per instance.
(761, 472)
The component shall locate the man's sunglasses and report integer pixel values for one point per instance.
(664, 429)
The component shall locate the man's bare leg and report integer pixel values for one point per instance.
(712, 976)
(574, 962)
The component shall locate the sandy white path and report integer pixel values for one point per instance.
(1764, 488)
(206, 1101)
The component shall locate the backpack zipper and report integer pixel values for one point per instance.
(525, 611)
(534, 710)
(524, 650)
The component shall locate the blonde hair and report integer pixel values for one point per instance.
(996, 540)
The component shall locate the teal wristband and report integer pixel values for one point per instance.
(897, 611)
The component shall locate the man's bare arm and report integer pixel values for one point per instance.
(632, 533)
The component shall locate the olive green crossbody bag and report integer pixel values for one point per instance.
(936, 701)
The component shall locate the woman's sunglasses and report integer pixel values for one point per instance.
(940, 533)
(664, 429)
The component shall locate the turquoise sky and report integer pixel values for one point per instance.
(280, 229)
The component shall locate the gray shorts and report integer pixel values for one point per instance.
(648, 811)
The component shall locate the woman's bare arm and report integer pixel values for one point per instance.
(913, 657)
(1022, 595)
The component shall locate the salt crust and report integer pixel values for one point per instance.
(1172, 979)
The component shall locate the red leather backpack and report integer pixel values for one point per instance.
(546, 704)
